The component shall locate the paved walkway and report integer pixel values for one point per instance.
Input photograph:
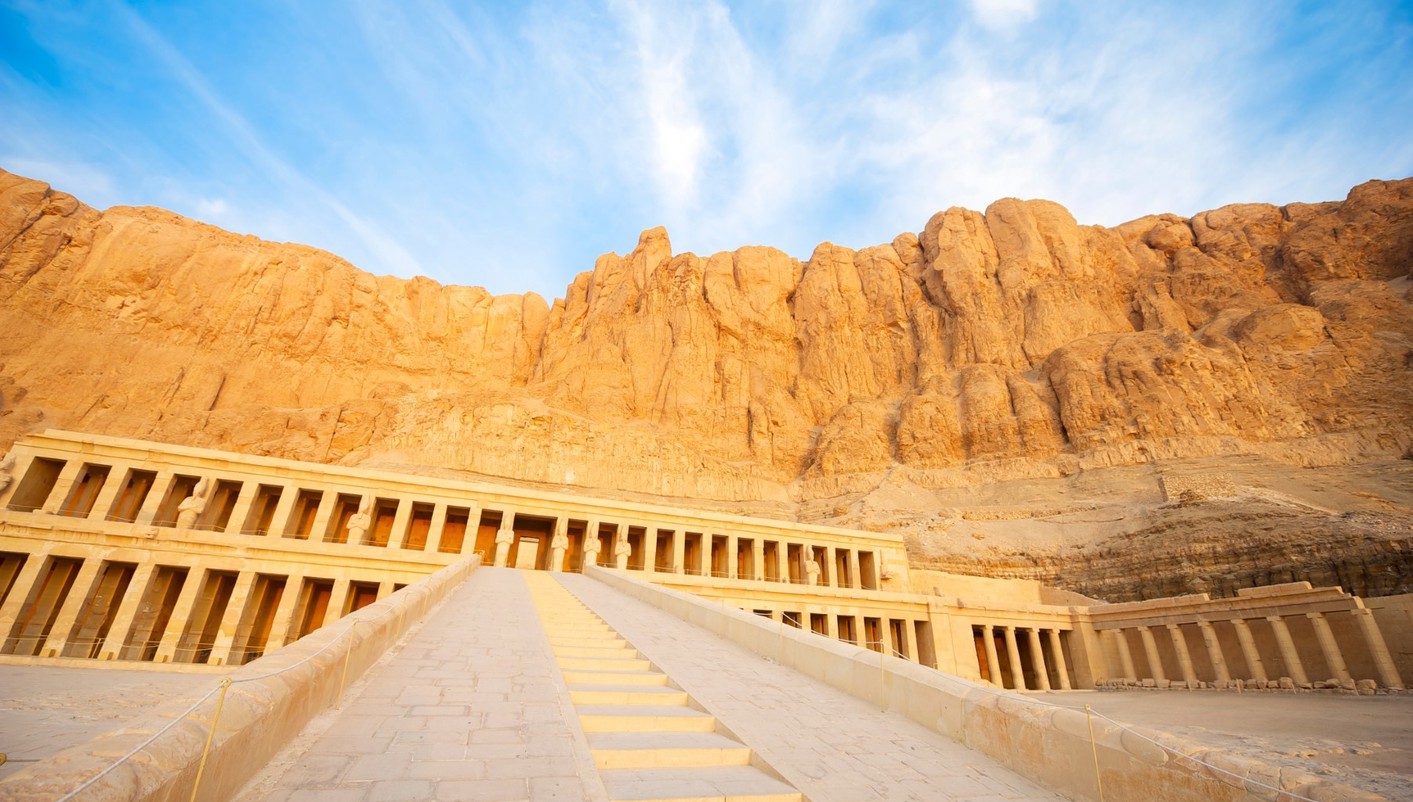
(473, 707)
(45, 709)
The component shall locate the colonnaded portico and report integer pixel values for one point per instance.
(116, 549)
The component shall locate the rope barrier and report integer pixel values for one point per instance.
(225, 683)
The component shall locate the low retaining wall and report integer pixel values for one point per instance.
(269, 701)
(1047, 744)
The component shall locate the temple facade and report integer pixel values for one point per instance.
(116, 549)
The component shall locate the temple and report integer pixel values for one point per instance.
(124, 550)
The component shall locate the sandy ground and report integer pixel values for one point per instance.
(46, 709)
(1364, 741)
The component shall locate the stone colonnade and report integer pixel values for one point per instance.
(1266, 651)
(1044, 665)
(116, 549)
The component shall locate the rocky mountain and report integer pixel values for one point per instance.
(932, 381)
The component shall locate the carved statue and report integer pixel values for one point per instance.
(811, 567)
(193, 505)
(7, 467)
(592, 547)
(558, 546)
(504, 538)
(359, 522)
(621, 550)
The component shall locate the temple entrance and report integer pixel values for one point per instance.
(527, 552)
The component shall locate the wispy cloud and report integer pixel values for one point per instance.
(507, 145)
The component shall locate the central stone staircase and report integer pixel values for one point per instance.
(648, 739)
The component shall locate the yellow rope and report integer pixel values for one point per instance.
(210, 736)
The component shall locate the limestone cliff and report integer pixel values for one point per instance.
(988, 348)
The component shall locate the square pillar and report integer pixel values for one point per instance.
(1329, 647)
(1013, 655)
(71, 606)
(181, 614)
(1378, 649)
(1150, 650)
(1254, 666)
(1037, 659)
(127, 611)
(397, 538)
(338, 599)
(1214, 651)
(319, 529)
(757, 559)
(222, 651)
(993, 660)
(279, 521)
(1062, 668)
(284, 612)
(20, 592)
(732, 563)
(63, 485)
(679, 551)
(117, 471)
(1184, 657)
(241, 510)
(1288, 651)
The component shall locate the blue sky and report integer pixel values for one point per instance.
(507, 145)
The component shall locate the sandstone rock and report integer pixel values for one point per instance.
(991, 347)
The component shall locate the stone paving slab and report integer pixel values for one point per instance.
(831, 746)
(45, 709)
(470, 706)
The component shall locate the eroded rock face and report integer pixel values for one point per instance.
(989, 346)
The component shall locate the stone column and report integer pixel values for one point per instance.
(1150, 649)
(70, 607)
(1184, 657)
(223, 650)
(284, 612)
(1288, 651)
(993, 662)
(590, 556)
(245, 499)
(1252, 655)
(910, 639)
(855, 578)
(160, 485)
(121, 629)
(63, 485)
(679, 551)
(649, 548)
(831, 626)
(319, 529)
(1062, 666)
(1125, 655)
(20, 591)
(1037, 659)
(1378, 649)
(757, 559)
(1013, 655)
(402, 520)
(180, 618)
(732, 563)
(279, 521)
(1334, 657)
(830, 567)
(434, 532)
(1214, 651)
(338, 599)
(112, 486)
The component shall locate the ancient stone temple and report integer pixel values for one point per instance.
(1007, 454)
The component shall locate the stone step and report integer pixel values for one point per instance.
(644, 718)
(652, 750)
(625, 695)
(716, 784)
(603, 664)
(588, 643)
(645, 678)
(624, 651)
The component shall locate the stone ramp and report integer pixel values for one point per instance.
(636, 759)
(483, 702)
(831, 746)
